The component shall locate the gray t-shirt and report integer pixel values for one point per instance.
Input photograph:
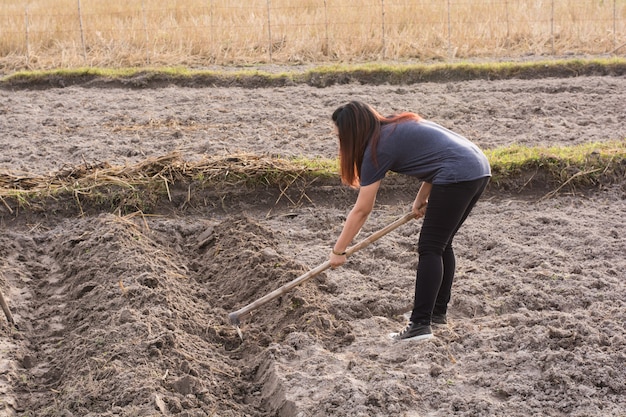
(424, 150)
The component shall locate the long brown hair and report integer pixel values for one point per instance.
(358, 124)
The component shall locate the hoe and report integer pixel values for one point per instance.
(236, 316)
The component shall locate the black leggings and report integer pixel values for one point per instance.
(448, 207)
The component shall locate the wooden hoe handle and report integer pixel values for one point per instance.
(237, 315)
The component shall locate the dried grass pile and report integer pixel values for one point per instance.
(216, 171)
(135, 187)
(139, 186)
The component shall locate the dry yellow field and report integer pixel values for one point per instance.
(41, 34)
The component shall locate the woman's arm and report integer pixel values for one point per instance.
(355, 220)
(419, 205)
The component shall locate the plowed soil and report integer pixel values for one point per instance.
(127, 315)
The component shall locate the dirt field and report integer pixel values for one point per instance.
(128, 315)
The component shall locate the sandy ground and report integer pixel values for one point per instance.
(128, 316)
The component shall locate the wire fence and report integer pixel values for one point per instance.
(119, 33)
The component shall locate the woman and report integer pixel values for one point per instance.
(454, 173)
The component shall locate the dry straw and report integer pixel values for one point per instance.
(117, 33)
(225, 170)
(218, 172)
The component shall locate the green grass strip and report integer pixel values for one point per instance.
(374, 73)
(560, 162)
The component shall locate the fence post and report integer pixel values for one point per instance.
(82, 34)
(145, 29)
(508, 32)
(27, 37)
(552, 26)
(269, 30)
(382, 5)
(449, 31)
(212, 35)
(326, 50)
(614, 26)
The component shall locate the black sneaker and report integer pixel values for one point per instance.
(439, 319)
(413, 331)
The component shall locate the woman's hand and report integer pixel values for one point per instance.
(337, 260)
(419, 208)
(421, 201)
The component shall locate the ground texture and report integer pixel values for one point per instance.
(127, 315)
